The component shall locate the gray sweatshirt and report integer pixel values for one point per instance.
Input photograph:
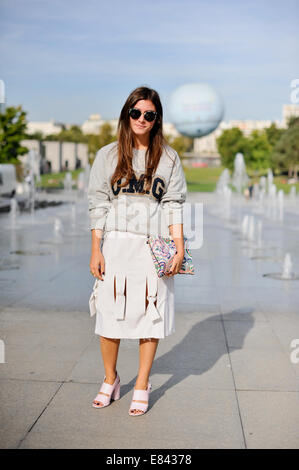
(130, 208)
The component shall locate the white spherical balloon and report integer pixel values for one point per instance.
(195, 109)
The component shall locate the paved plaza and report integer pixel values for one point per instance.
(224, 379)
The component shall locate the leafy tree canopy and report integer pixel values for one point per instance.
(12, 132)
(104, 137)
(286, 151)
(230, 142)
(257, 148)
(73, 134)
(180, 143)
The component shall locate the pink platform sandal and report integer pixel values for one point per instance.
(107, 393)
(137, 403)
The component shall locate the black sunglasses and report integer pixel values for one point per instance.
(149, 116)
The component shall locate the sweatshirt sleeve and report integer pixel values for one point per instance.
(99, 201)
(172, 201)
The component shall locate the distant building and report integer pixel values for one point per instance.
(289, 110)
(58, 156)
(113, 123)
(93, 124)
(170, 130)
(45, 127)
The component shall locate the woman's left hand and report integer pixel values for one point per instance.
(176, 265)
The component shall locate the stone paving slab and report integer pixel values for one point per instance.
(244, 336)
(62, 426)
(270, 419)
(43, 345)
(22, 402)
(262, 370)
(236, 311)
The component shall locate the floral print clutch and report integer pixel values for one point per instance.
(163, 250)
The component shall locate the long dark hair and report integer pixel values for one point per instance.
(125, 138)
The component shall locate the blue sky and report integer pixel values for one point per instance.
(66, 59)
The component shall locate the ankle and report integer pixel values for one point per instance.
(141, 384)
(110, 377)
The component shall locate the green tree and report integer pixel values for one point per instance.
(180, 143)
(93, 144)
(35, 136)
(273, 134)
(292, 121)
(286, 151)
(12, 132)
(258, 152)
(73, 134)
(104, 137)
(230, 142)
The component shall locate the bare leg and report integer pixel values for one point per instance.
(109, 349)
(147, 351)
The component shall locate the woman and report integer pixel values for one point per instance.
(137, 188)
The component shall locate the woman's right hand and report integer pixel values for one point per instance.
(97, 264)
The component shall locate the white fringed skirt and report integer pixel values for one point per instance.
(132, 302)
